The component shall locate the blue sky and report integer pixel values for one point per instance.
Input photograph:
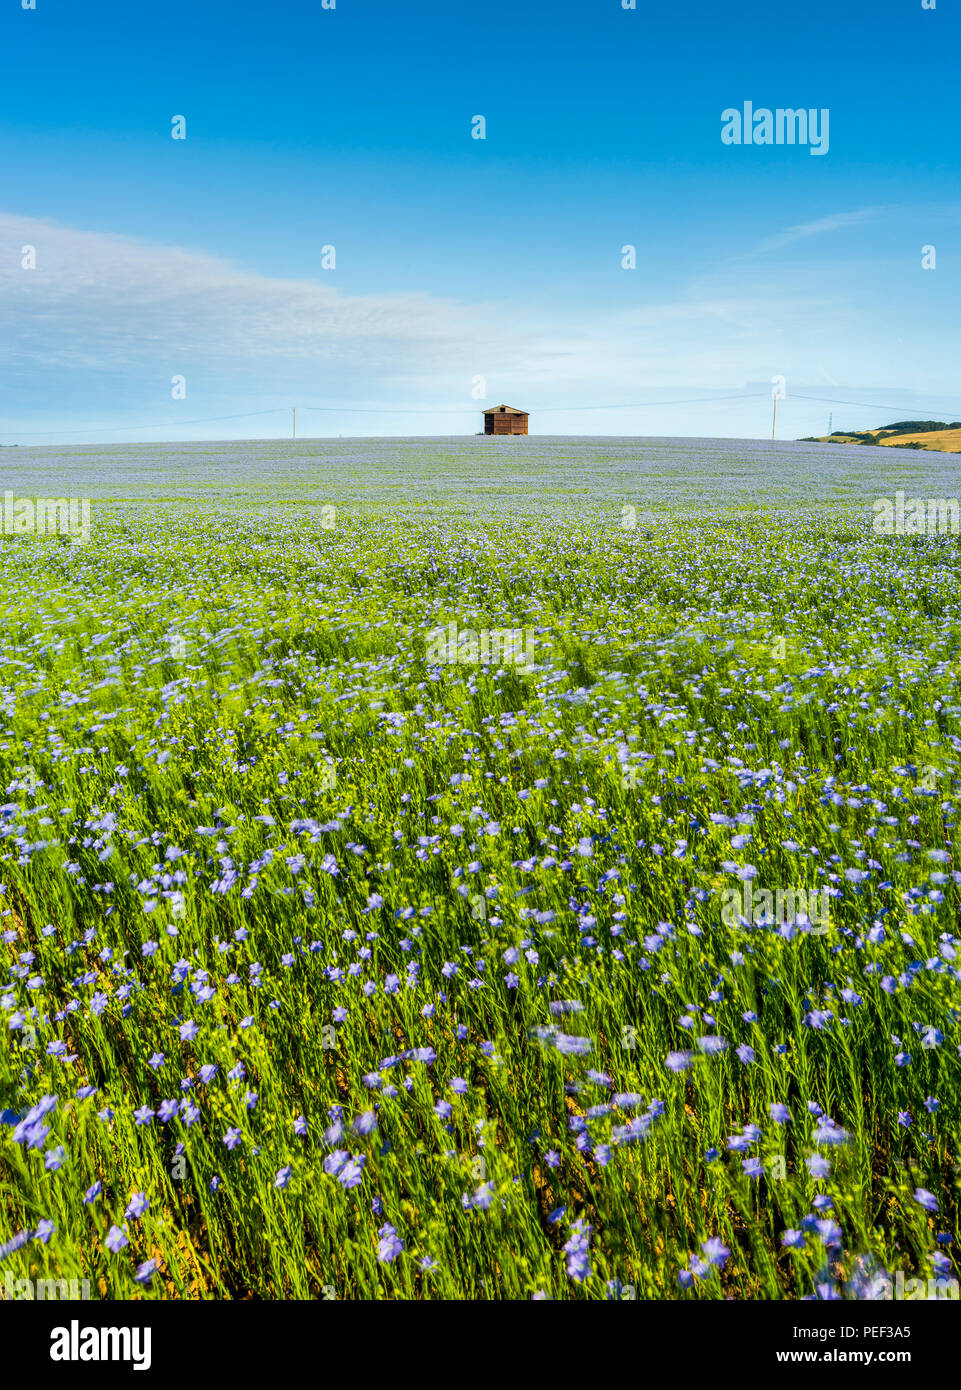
(459, 259)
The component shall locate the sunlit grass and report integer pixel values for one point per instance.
(222, 745)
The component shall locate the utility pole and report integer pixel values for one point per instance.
(830, 421)
(294, 435)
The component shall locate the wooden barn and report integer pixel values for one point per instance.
(504, 419)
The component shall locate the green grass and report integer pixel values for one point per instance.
(232, 665)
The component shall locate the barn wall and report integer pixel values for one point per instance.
(505, 424)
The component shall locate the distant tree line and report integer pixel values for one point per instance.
(899, 427)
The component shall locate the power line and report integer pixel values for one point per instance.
(374, 410)
(203, 420)
(866, 405)
(540, 410)
(460, 411)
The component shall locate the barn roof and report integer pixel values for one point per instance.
(504, 410)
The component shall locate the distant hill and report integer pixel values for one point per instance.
(905, 434)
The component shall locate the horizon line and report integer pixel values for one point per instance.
(479, 434)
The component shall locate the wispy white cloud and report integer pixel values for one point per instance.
(102, 301)
(836, 222)
(105, 321)
(115, 309)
